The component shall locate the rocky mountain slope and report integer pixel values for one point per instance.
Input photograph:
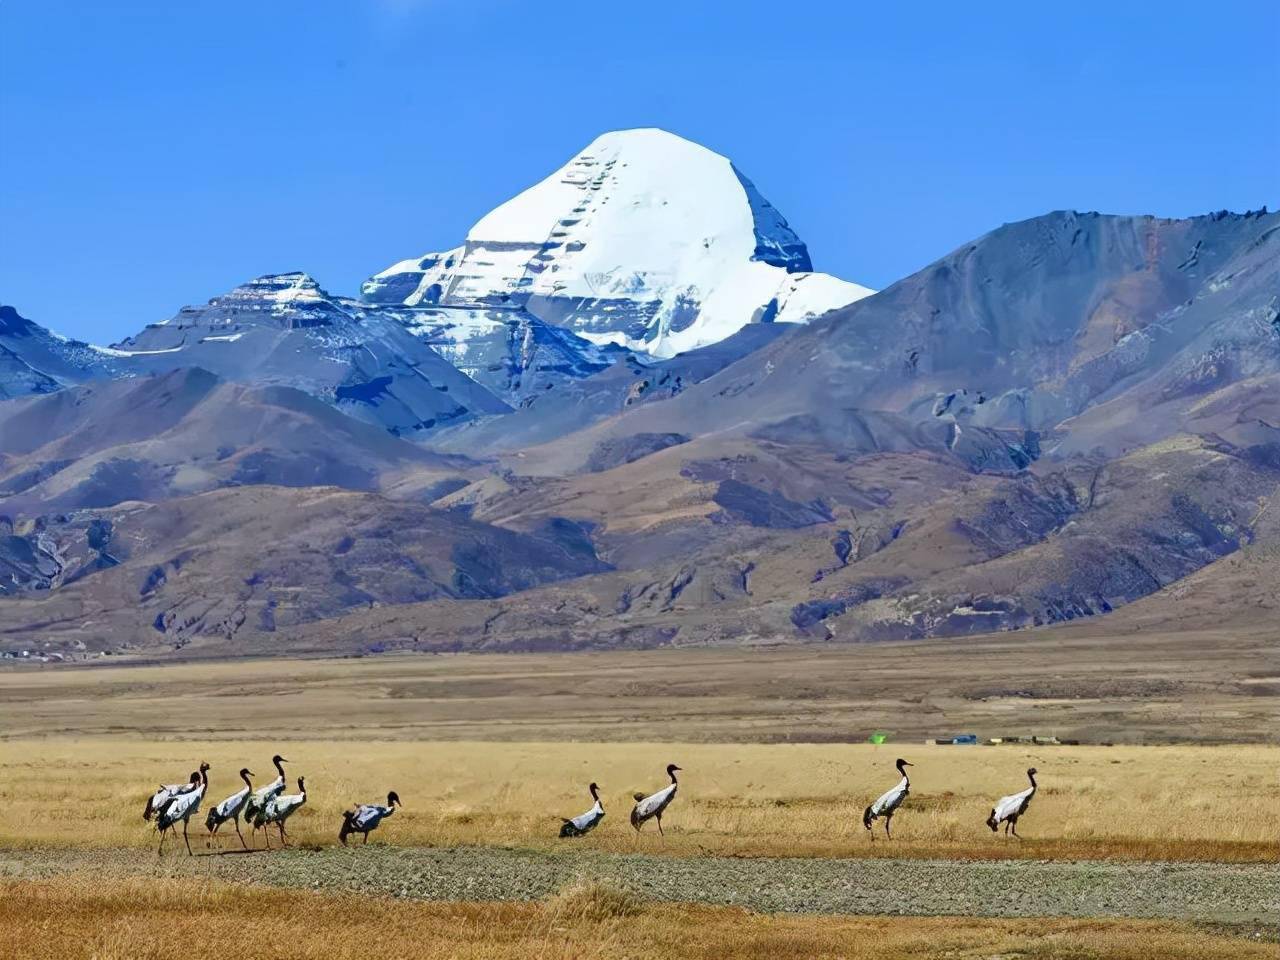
(252, 560)
(36, 360)
(284, 329)
(643, 239)
(154, 438)
(1063, 417)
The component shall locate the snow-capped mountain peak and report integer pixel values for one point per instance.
(644, 239)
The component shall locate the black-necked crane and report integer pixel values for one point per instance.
(652, 806)
(280, 809)
(366, 817)
(1008, 809)
(259, 798)
(164, 792)
(181, 806)
(230, 809)
(889, 802)
(584, 823)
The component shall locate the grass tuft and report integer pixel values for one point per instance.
(586, 901)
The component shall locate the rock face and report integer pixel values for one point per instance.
(153, 438)
(1096, 333)
(35, 360)
(1060, 418)
(643, 239)
(284, 329)
(509, 352)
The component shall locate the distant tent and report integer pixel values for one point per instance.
(878, 738)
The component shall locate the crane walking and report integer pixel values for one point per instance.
(279, 809)
(652, 806)
(181, 806)
(584, 823)
(165, 791)
(366, 817)
(231, 809)
(889, 802)
(259, 798)
(1008, 809)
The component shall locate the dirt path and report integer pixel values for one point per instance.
(1189, 891)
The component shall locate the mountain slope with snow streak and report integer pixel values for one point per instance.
(643, 239)
(284, 329)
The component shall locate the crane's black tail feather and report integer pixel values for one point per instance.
(867, 818)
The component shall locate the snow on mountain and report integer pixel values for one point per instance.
(643, 239)
(284, 329)
(35, 360)
(509, 352)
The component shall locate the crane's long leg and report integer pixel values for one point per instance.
(160, 850)
(660, 833)
(887, 818)
(366, 837)
(185, 838)
(283, 842)
(239, 834)
(1013, 823)
(266, 835)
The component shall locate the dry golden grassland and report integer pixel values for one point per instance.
(1147, 687)
(1153, 803)
(76, 917)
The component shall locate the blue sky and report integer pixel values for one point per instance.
(156, 154)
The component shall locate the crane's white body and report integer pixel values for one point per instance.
(891, 800)
(369, 815)
(1013, 806)
(585, 822)
(652, 806)
(161, 796)
(655, 803)
(180, 807)
(283, 807)
(279, 809)
(230, 809)
(888, 802)
(1008, 809)
(259, 798)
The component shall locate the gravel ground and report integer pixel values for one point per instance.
(1223, 893)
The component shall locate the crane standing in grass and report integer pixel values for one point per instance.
(181, 806)
(1008, 809)
(652, 806)
(366, 817)
(280, 809)
(584, 823)
(230, 809)
(259, 798)
(889, 802)
(165, 791)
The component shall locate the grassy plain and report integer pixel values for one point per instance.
(69, 918)
(489, 751)
(1145, 687)
(1161, 803)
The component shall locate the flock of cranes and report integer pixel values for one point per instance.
(172, 804)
